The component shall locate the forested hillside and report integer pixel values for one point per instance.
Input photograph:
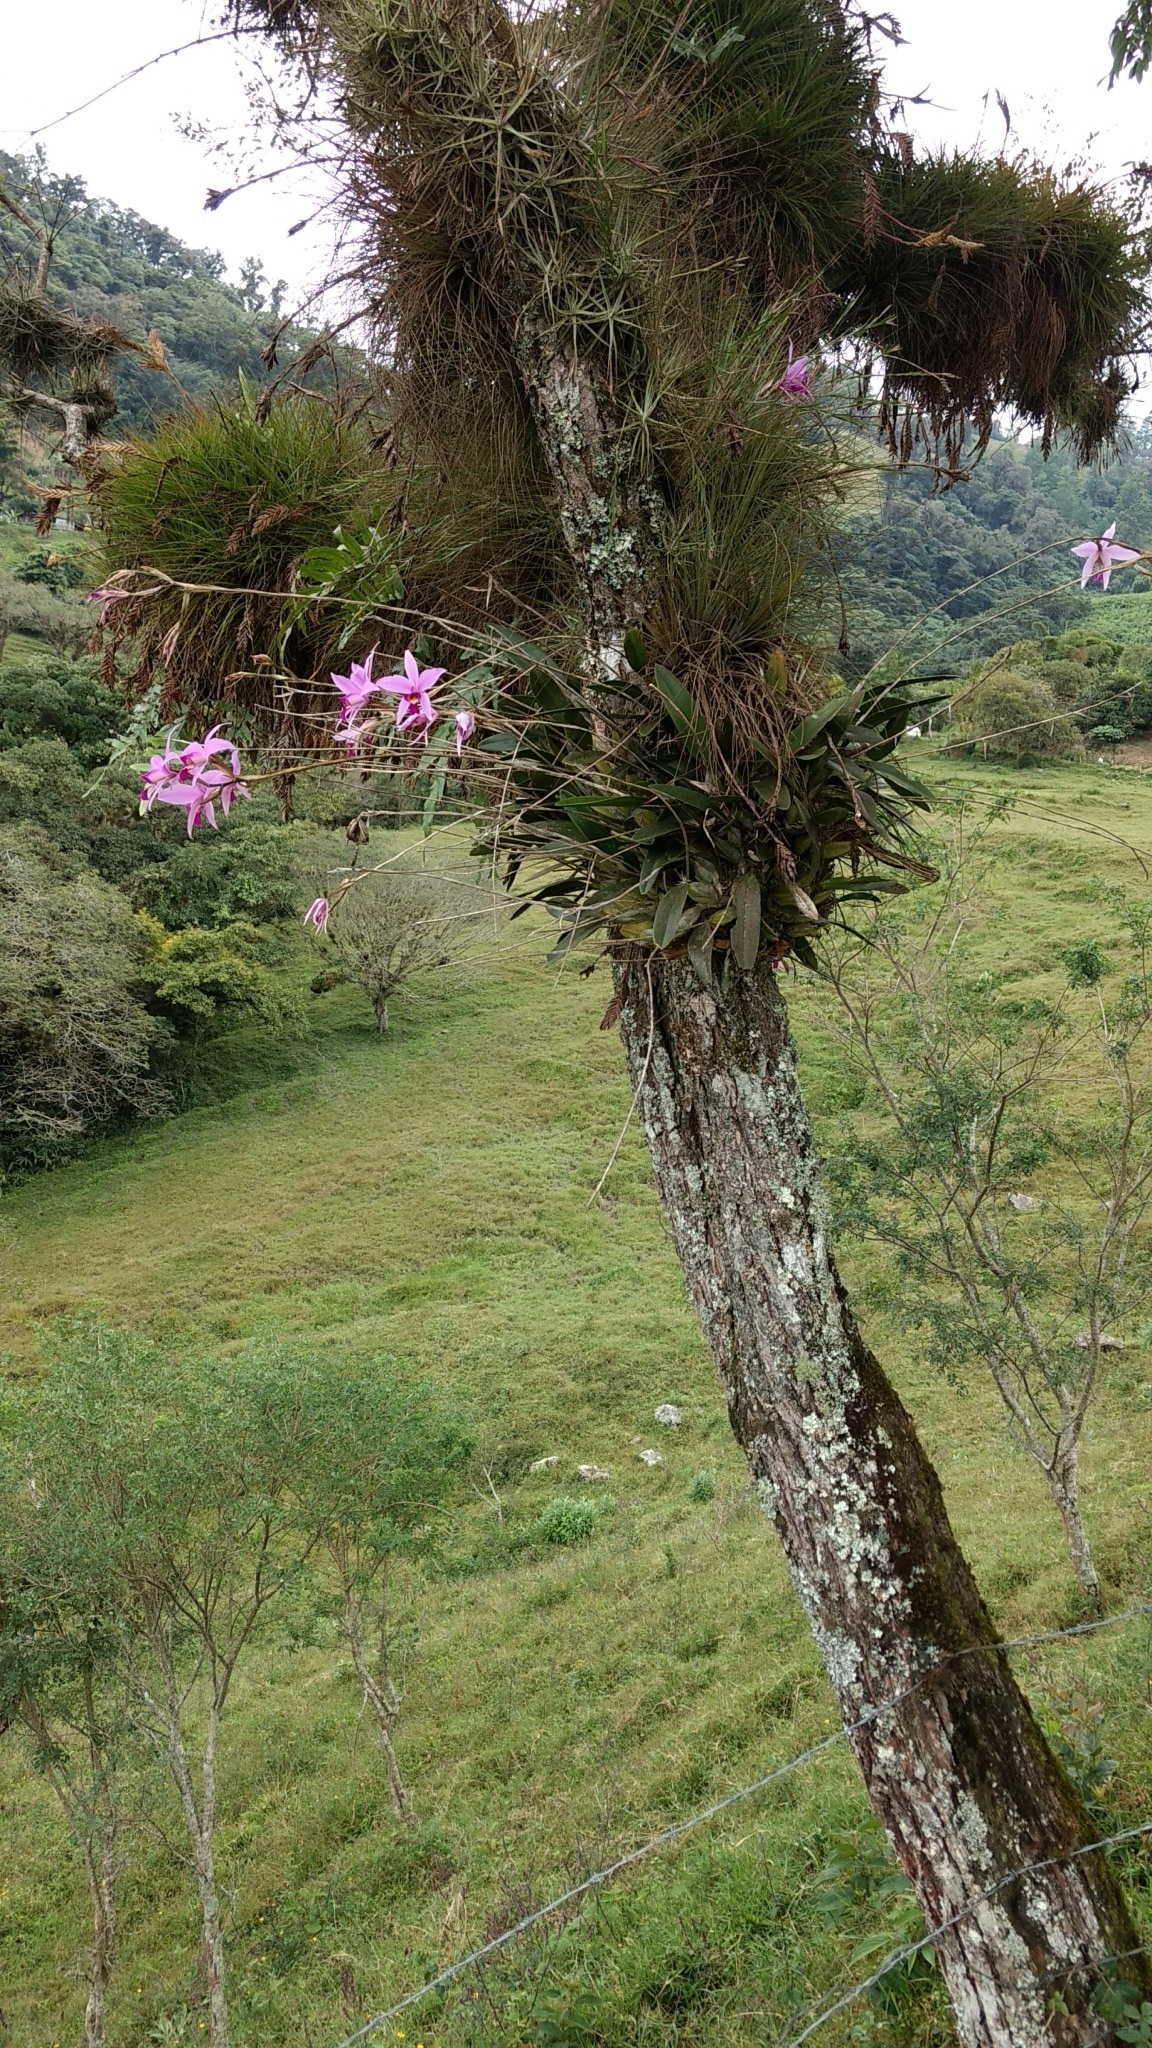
(988, 557)
(118, 268)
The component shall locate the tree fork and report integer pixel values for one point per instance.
(959, 1772)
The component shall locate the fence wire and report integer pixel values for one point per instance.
(773, 1777)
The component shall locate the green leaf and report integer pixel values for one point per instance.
(746, 921)
(700, 945)
(906, 784)
(431, 801)
(816, 721)
(654, 863)
(686, 793)
(681, 710)
(805, 953)
(803, 902)
(669, 911)
(635, 652)
(532, 656)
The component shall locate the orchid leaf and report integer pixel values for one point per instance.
(635, 652)
(531, 655)
(681, 709)
(816, 721)
(700, 946)
(432, 800)
(803, 902)
(669, 911)
(746, 923)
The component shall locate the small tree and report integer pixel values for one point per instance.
(966, 1074)
(59, 1647)
(377, 1459)
(74, 1039)
(176, 1476)
(398, 924)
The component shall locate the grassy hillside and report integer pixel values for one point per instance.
(429, 1197)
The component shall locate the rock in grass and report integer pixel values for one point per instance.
(650, 1457)
(592, 1472)
(669, 1415)
(544, 1464)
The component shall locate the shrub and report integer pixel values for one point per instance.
(395, 926)
(43, 783)
(702, 1487)
(1065, 681)
(195, 978)
(568, 1519)
(1016, 717)
(75, 1039)
(54, 571)
(242, 872)
(59, 700)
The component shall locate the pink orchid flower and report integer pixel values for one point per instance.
(355, 689)
(193, 780)
(465, 725)
(1101, 556)
(416, 713)
(795, 381)
(106, 596)
(317, 914)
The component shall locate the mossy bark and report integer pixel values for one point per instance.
(959, 1772)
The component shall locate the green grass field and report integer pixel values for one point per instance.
(430, 1197)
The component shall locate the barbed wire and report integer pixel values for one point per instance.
(772, 1777)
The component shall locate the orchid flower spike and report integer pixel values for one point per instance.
(1101, 556)
(317, 914)
(465, 725)
(193, 778)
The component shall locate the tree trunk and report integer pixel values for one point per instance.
(1064, 1485)
(100, 1869)
(380, 1695)
(959, 1772)
(200, 1818)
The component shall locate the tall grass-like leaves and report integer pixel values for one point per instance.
(226, 496)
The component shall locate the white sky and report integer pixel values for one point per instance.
(1047, 57)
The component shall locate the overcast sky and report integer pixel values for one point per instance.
(1048, 58)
